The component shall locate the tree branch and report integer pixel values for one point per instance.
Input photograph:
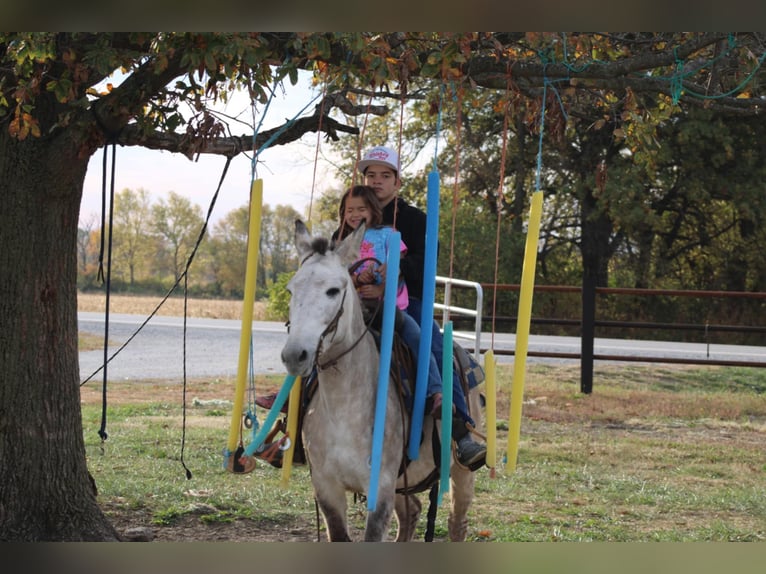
(232, 146)
(639, 73)
(114, 111)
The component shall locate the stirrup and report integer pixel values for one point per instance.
(239, 462)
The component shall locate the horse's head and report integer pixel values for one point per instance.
(321, 293)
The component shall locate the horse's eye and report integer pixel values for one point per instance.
(332, 292)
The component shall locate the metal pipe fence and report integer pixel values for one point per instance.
(588, 323)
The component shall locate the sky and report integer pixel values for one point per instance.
(287, 171)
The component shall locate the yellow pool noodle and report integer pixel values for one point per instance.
(253, 241)
(292, 430)
(522, 327)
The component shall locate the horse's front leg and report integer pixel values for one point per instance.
(379, 519)
(334, 514)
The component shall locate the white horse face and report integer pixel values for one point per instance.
(318, 290)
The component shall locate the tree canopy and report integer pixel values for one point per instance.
(168, 71)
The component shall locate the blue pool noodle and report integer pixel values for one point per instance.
(427, 315)
(384, 367)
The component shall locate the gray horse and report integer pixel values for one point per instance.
(328, 331)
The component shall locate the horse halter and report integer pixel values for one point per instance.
(332, 327)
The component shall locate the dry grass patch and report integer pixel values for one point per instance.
(172, 307)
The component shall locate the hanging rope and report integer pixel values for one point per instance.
(185, 276)
(499, 205)
(361, 138)
(102, 430)
(238, 420)
(183, 400)
(399, 149)
(316, 151)
(458, 98)
(354, 172)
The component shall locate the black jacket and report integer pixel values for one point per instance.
(411, 223)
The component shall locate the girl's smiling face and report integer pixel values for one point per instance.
(356, 212)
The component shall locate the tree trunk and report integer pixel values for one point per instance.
(46, 493)
(596, 239)
(596, 231)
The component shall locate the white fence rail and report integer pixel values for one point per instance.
(448, 309)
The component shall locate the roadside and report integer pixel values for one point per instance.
(172, 307)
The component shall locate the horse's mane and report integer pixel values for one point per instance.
(320, 245)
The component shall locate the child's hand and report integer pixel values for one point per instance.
(371, 291)
(367, 276)
(381, 271)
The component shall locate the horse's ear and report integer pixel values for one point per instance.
(302, 239)
(348, 250)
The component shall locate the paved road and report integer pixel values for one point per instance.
(212, 347)
(697, 352)
(157, 350)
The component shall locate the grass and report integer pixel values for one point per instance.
(655, 453)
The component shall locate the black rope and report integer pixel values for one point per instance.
(100, 276)
(186, 299)
(102, 431)
(183, 423)
(183, 276)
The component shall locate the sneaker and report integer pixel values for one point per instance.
(470, 452)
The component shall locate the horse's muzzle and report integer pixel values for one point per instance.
(297, 360)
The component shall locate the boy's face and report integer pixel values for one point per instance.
(384, 181)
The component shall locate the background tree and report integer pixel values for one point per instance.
(177, 223)
(228, 253)
(131, 237)
(279, 254)
(88, 238)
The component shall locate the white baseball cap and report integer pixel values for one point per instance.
(380, 155)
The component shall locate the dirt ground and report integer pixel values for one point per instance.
(135, 526)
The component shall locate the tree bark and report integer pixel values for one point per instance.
(46, 492)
